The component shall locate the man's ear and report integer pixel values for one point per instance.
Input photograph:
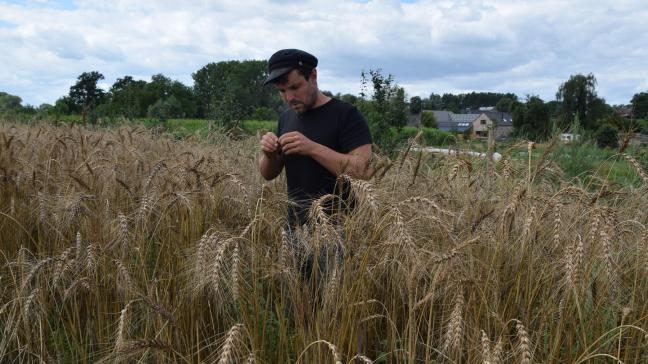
(313, 75)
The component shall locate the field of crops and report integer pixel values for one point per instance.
(118, 245)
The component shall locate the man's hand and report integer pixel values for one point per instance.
(270, 145)
(271, 163)
(296, 143)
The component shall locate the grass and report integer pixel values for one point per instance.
(123, 245)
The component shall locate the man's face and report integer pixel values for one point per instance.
(300, 94)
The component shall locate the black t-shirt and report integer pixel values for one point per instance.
(337, 125)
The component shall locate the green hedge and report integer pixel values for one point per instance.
(430, 136)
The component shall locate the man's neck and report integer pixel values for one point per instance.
(321, 99)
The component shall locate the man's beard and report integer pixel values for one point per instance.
(306, 105)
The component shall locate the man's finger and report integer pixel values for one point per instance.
(285, 139)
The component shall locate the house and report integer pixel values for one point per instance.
(476, 124)
(624, 111)
(503, 123)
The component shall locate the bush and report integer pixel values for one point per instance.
(264, 113)
(164, 109)
(428, 120)
(607, 136)
(429, 137)
(642, 126)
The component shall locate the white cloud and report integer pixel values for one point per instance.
(526, 47)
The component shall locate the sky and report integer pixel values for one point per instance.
(429, 46)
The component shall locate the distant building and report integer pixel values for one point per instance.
(569, 137)
(624, 111)
(475, 124)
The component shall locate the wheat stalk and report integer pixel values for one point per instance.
(33, 272)
(236, 289)
(122, 327)
(62, 265)
(454, 332)
(127, 284)
(524, 343)
(486, 348)
(362, 358)
(498, 352)
(637, 167)
(228, 348)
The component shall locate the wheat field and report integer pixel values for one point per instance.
(119, 245)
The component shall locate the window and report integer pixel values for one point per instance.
(483, 122)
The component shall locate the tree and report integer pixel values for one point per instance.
(531, 119)
(127, 97)
(377, 109)
(85, 94)
(416, 105)
(451, 102)
(432, 103)
(398, 108)
(10, 104)
(242, 82)
(504, 104)
(578, 97)
(640, 105)
(428, 120)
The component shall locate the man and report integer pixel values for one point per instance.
(317, 139)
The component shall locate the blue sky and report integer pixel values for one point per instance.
(525, 47)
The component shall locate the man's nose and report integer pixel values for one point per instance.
(289, 96)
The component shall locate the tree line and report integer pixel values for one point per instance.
(230, 91)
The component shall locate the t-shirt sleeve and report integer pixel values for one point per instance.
(354, 131)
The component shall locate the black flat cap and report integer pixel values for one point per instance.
(285, 60)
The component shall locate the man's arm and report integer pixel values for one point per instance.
(355, 163)
(271, 163)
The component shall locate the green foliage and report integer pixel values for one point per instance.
(468, 101)
(64, 106)
(85, 95)
(504, 104)
(233, 89)
(451, 102)
(416, 105)
(428, 120)
(642, 126)
(578, 97)
(377, 109)
(430, 136)
(433, 102)
(398, 109)
(386, 108)
(134, 98)
(252, 126)
(531, 119)
(229, 111)
(164, 109)
(264, 113)
(617, 121)
(10, 104)
(640, 105)
(607, 136)
(585, 160)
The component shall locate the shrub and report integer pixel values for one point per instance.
(430, 136)
(607, 136)
(428, 120)
(164, 109)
